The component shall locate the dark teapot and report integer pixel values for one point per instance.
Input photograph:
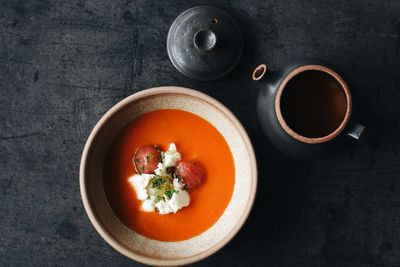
(305, 109)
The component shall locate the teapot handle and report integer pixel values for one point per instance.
(363, 136)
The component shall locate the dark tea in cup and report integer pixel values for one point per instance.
(313, 104)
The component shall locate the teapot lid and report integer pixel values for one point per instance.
(204, 43)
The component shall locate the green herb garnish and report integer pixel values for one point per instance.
(142, 169)
(162, 156)
(149, 157)
(158, 198)
(169, 193)
(157, 182)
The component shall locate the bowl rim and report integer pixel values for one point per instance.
(104, 232)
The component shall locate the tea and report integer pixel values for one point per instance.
(313, 104)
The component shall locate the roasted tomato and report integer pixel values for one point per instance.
(146, 159)
(192, 174)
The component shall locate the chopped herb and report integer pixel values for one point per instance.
(157, 182)
(149, 157)
(158, 198)
(138, 160)
(162, 156)
(142, 168)
(169, 193)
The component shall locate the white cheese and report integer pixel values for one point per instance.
(140, 182)
(148, 205)
(177, 184)
(179, 200)
(163, 207)
(171, 156)
(161, 170)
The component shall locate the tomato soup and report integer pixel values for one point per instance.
(197, 140)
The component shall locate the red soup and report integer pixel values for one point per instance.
(197, 140)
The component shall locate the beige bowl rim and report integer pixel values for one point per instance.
(104, 233)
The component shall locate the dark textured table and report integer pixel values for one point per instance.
(63, 65)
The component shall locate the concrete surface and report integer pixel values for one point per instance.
(64, 63)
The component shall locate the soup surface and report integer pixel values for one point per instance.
(197, 140)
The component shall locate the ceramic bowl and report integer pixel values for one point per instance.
(134, 245)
